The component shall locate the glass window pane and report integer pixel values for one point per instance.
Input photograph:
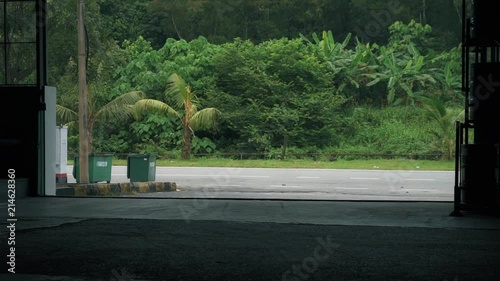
(21, 64)
(21, 21)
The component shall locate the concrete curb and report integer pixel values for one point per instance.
(113, 189)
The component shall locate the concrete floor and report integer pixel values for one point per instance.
(201, 239)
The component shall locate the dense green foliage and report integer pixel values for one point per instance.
(350, 76)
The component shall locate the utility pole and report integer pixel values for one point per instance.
(82, 97)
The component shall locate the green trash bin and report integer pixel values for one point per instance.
(141, 167)
(100, 165)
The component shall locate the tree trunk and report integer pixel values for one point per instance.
(283, 148)
(186, 142)
(90, 129)
(82, 98)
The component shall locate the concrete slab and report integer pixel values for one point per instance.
(160, 250)
(401, 214)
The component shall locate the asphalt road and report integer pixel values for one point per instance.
(161, 250)
(310, 184)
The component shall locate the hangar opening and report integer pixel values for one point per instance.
(251, 99)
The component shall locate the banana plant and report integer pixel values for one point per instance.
(364, 66)
(336, 54)
(404, 77)
(349, 67)
(447, 71)
(327, 45)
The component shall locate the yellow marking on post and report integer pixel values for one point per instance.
(80, 190)
(126, 188)
(103, 189)
(143, 187)
(160, 187)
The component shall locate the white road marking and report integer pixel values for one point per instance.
(352, 188)
(293, 186)
(419, 190)
(209, 176)
(420, 180)
(364, 178)
(313, 178)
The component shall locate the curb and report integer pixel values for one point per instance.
(113, 189)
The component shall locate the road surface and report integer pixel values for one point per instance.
(308, 184)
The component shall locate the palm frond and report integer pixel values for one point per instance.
(435, 108)
(194, 109)
(66, 115)
(205, 118)
(150, 106)
(119, 108)
(72, 124)
(177, 87)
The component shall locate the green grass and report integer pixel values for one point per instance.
(373, 164)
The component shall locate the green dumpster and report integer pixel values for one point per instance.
(100, 165)
(141, 167)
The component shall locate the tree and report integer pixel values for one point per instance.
(275, 94)
(116, 109)
(82, 97)
(283, 121)
(188, 112)
(63, 40)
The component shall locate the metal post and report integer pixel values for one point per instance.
(458, 141)
(459, 138)
(497, 174)
(465, 77)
